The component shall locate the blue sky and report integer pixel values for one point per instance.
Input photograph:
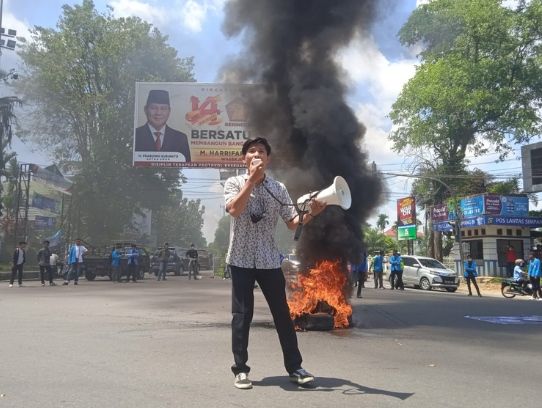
(377, 67)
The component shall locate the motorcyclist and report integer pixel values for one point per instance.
(192, 255)
(519, 274)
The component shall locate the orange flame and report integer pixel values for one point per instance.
(323, 284)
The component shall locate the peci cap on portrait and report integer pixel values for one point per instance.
(158, 96)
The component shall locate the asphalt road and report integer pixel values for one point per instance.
(167, 344)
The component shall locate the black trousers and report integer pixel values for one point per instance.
(535, 282)
(472, 278)
(17, 271)
(273, 286)
(131, 270)
(46, 269)
(397, 280)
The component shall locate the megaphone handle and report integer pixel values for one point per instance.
(298, 232)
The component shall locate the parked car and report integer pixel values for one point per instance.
(97, 261)
(175, 263)
(428, 273)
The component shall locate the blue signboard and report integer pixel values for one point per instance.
(513, 206)
(472, 206)
(529, 222)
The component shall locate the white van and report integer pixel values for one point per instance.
(428, 273)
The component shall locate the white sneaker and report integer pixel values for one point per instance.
(242, 382)
(11, 285)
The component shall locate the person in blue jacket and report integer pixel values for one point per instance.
(470, 274)
(115, 264)
(132, 263)
(378, 270)
(534, 276)
(396, 271)
(361, 273)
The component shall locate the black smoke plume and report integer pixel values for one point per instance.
(290, 48)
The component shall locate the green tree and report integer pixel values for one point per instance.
(375, 241)
(81, 79)
(479, 82)
(181, 224)
(222, 236)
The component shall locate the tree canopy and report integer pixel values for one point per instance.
(80, 78)
(479, 84)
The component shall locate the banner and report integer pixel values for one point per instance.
(511, 206)
(408, 232)
(406, 211)
(188, 124)
(439, 213)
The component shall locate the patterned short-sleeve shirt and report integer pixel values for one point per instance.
(252, 245)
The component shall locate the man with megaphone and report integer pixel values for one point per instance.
(256, 201)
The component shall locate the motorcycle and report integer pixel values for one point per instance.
(510, 289)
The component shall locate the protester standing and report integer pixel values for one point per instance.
(377, 267)
(255, 202)
(44, 262)
(132, 263)
(396, 271)
(53, 262)
(361, 273)
(18, 260)
(164, 259)
(115, 264)
(534, 276)
(75, 262)
(470, 274)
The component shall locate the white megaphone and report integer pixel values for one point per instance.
(336, 194)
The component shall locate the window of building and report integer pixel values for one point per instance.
(483, 231)
(469, 233)
(508, 232)
(475, 232)
(502, 247)
(475, 249)
(518, 233)
(499, 231)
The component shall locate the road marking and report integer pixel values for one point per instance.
(508, 319)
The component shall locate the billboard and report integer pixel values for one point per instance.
(439, 213)
(406, 218)
(406, 211)
(188, 124)
(407, 232)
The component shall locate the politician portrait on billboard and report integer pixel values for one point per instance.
(188, 124)
(156, 135)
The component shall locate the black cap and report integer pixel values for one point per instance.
(158, 96)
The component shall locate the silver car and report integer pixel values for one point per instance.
(428, 273)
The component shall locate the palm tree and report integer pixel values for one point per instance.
(382, 222)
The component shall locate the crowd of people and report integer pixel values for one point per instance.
(49, 263)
